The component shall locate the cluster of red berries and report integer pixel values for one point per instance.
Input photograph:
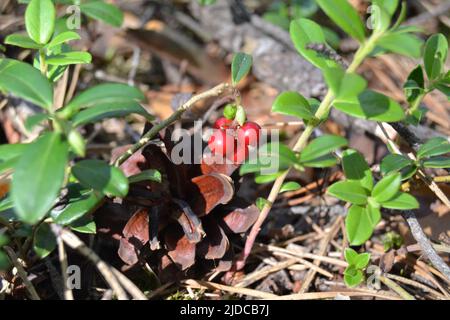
(232, 141)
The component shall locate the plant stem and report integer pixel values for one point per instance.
(321, 114)
(43, 63)
(214, 92)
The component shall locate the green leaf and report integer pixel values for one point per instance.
(305, 32)
(6, 204)
(387, 187)
(362, 260)
(39, 176)
(63, 38)
(110, 110)
(44, 241)
(356, 168)
(345, 16)
(40, 19)
(433, 147)
(445, 89)
(240, 66)
(241, 116)
(322, 146)
(271, 156)
(351, 256)
(333, 78)
(67, 58)
(102, 11)
(350, 87)
(84, 225)
(261, 202)
(325, 161)
(290, 186)
(22, 41)
(389, 5)
(4, 261)
(394, 163)
(34, 120)
(353, 278)
(77, 143)
(401, 201)
(435, 55)
(371, 105)
(33, 87)
(437, 162)
(358, 225)
(293, 104)
(80, 203)
(9, 154)
(402, 43)
(230, 111)
(102, 94)
(415, 85)
(262, 179)
(146, 175)
(374, 213)
(349, 191)
(102, 177)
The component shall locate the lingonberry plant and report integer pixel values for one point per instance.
(348, 93)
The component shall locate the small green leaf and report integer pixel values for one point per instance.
(39, 176)
(351, 256)
(362, 260)
(349, 191)
(325, 161)
(100, 95)
(9, 154)
(240, 66)
(22, 41)
(40, 18)
(102, 11)
(435, 55)
(374, 213)
(356, 168)
(230, 111)
(353, 277)
(261, 202)
(77, 143)
(34, 120)
(389, 5)
(358, 225)
(415, 85)
(271, 156)
(402, 43)
(371, 105)
(84, 225)
(305, 32)
(350, 87)
(293, 104)
(102, 177)
(290, 186)
(433, 147)
(345, 16)
(445, 89)
(241, 116)
(262, 179)
(33, 87)
(437, 162)
(146, 175)
(44, 241)
(322, 146)
(401, 201)
(110, 110)
(63, 38)
(67, 58)
(387, 187)
(394, 163)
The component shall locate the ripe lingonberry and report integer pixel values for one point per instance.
(223, 123)
(248, 134)
(221, 143)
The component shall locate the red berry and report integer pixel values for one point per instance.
(221, 143)
(249, 134)
(240, 153)
(223, 123)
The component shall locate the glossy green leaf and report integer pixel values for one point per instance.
(40, 19)
(34, 87)
(39, 176)
(44, 241)
(306, 32)
(103, 11)
(63, 37)
(322, 146)
(356, 168)
(102, 94)
(387, 187)
(35, 120)
(362, 260)
(272, 158)
(402, 43)
(435, 55)
(349, 191)
(262, 179)
(373, 213)
(433, 147)
(353, 277)
(389, 5)
(358, 225)
(290, 186)
(102, 177)
(240, 66)
(351, 256)
(23, 41)
(110, 110)
(345, 16)
(394, 163)
(401, 201)
(325, 161)
(67, 58)
(445, 89)
(6, 204)
(437, 162)
(350, 87)
(146, 175)
(10, 154)
(415, 85)
(84, 225)
(371, 105)
(293, 104)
